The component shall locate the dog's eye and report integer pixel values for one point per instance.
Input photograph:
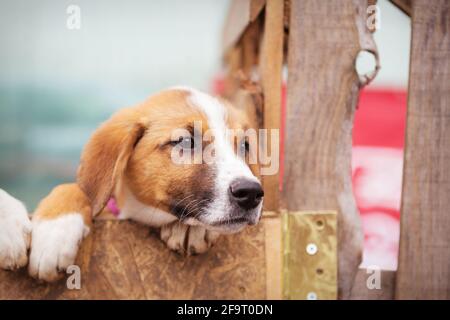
(185, 142)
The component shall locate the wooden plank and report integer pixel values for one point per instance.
(256, 7)
(240, 15)
(234, 62)
(271, 65)
(404, 5)
(424, 259)
(123, 260)
(241, 61)
(362, 291)
(324, 39)
(250, 43)
(274, 257)
(237, 20)
(310, 255)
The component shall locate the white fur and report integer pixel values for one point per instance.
(54, 244)
(15, 230)
(172, 233)
(229, 165)
(135, 210)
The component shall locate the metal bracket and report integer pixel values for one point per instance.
(310, 255)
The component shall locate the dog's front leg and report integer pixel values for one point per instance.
(15, 232)
(187, 239)
(60, 222)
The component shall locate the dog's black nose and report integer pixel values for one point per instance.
(247, 193)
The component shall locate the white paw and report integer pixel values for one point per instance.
(54, 245)
(15, 230)
(186, 239)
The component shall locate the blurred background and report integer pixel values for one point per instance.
(58, 84)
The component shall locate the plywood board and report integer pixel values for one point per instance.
(123, 260)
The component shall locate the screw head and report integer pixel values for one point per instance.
(311, 296)
(311, 249)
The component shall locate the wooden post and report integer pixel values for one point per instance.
(249, 44)
(404, 5)
(325, 38)
(240, 14)
(271, 65)
(424, 258)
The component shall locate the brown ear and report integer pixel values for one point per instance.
(105, 157)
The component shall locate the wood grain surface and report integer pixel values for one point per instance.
(323, 86)
(424, 259)
(124, 260)
(271, 65)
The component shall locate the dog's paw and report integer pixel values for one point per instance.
(54, 245)
(189, 240)
(200, 240)
(15, 230)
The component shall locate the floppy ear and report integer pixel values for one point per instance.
(105, 157)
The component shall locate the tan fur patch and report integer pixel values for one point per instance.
(63, 199)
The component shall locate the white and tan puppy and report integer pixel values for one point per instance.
(131, 158)
(15, 232)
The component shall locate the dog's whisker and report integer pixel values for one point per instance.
(196, 208)
(186, 209)
(191, 195)
(197, 205)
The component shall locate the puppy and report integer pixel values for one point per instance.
(133, 158)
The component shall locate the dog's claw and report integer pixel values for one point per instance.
(188, 240)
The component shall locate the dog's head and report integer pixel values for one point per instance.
(183, 152)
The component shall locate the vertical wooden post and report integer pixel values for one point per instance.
(271, 78)
(424, 258)
(325, 38)
(271, 65)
